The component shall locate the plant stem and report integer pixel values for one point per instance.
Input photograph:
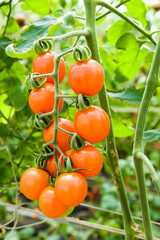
(127, 19)
(112, 160)
(151, 85)
(8, 16)
(155, 178)
(67, 35)
(108, 12)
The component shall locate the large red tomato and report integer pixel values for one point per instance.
(50, 205)
(62, 138)
(43, 99)
(86, 77)
(44, 63)
(92, 125)
(71, 188)
(32, 182)
(88, 157)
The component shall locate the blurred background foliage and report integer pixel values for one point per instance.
(126, 57)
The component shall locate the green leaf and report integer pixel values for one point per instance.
(41, 7)
(118, 29)
(152, 135)
(19, 97)
(130, 95)
(129, 57)
(13, 26)
(5, 61)
(121, 129)
(4, 131)
(107, 61)
(137, 9)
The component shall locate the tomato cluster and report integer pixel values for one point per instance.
(92, 125)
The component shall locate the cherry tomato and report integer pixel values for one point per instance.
(44, 63)
(62, 138)
(71, 188)
(86, 77)
(68, 212)
(32, 182)
(50, 205)
(88, 157)
(92, 125)
(43, 99)
(52, 165)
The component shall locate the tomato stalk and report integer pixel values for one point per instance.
(112, 155)
(151, 85)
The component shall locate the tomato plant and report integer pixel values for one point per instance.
(52, 165)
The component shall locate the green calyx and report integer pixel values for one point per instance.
(40, 162)
(83, 102)
(68, 166)
(42, 122)
(42, 46)
(77, 142)
(32, 83)
(81, 53)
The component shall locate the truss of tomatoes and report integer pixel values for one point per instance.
(93, 125)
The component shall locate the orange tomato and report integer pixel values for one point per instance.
(43, 99)
(92, 125)
(62, 138)
(71, 188)
(44, 63)
(86, 77)
(88, 157)
(50, 205)
(32, 182)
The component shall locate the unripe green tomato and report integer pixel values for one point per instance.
(68, 212)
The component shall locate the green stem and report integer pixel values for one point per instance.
(63, 130)
(112, 160)
(67, 35)
(8, 16)
(151, 85)
(127, 19)
(155, 178)
(108, 12)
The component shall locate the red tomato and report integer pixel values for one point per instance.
(43, 99)
(44, 63)
(71, 188)
(50, 205)
(62, 138)
(32, 182)
(88, 157)
(52, 165)
(92, 125)
(86, 77)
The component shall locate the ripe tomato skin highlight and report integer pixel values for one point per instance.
(92, 125)
(62, 138)
(44, 63)
(52, 166)
(32, 183)
(88, 157)
(71, 188)
(86, 77)
(43, 99)
(50, 205)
